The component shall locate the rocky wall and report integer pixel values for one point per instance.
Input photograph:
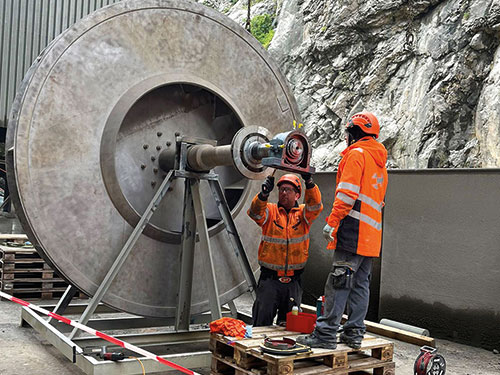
(429, 69)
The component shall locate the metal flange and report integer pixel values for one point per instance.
(245, 140)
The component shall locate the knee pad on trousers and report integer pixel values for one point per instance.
(342, 277)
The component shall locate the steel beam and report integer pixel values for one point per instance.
(239, 250)
(201, 224)
(183, 314)
(63, 302)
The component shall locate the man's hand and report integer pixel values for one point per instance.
(268, 186)
(328, 233)
(308, 180)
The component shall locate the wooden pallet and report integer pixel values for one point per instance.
(13, 237)
(245, 357)
(24, 274)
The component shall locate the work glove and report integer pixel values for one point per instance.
(308, 180)
(267, 186)
(328, 233)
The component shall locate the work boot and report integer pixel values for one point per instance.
(315, 342)
(351, 341)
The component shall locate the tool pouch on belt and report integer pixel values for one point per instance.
(343, 277)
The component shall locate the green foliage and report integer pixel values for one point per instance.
(466, 16)
(209, 4)
(262, 29)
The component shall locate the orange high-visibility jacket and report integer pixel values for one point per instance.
(284, 246)
(359, 198)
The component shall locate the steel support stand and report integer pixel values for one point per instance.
(183, 314)
(206, 251)
(125, 251)
(234, 237)
(233, 309)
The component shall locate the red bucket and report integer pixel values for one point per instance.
(303, 322)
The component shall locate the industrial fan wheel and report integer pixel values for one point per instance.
(92, 116)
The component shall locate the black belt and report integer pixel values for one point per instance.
(266, 273)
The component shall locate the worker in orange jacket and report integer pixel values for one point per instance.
(284, 246)
(354, 231)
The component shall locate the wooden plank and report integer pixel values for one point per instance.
(222, 364)
(367, 364)
(388, 369)
(384, 353)
(399, 334)
(27, 270)
(13, 237)
(220, 349)
(36, 280)
(257, 341)
(258, 334)
(21, 250)
(37, 261)
(246, 360)
(383, 330)
(33, 290)
(371, 342)
(219, 365)
(284, 367)
(16, 249)
(266, 329)
(337, 360)
(311, 368)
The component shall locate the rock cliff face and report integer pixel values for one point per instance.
(429, 69)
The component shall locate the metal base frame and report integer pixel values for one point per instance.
(73, 349)
(56, 334)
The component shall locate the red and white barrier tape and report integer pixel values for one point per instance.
(93, 332)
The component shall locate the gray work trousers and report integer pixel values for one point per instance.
(275, 297)
(348, 284)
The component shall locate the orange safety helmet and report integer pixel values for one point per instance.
(291, 179)
(367, 121)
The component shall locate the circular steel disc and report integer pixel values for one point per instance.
(246, 136)
(93, 114)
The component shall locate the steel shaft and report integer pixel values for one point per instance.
(206, 157)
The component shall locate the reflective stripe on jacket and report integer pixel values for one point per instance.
(359, 198)
(284, 246)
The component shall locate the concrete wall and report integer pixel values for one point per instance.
(441, 253)
(440, 265)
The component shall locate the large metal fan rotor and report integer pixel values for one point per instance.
(92, 117)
